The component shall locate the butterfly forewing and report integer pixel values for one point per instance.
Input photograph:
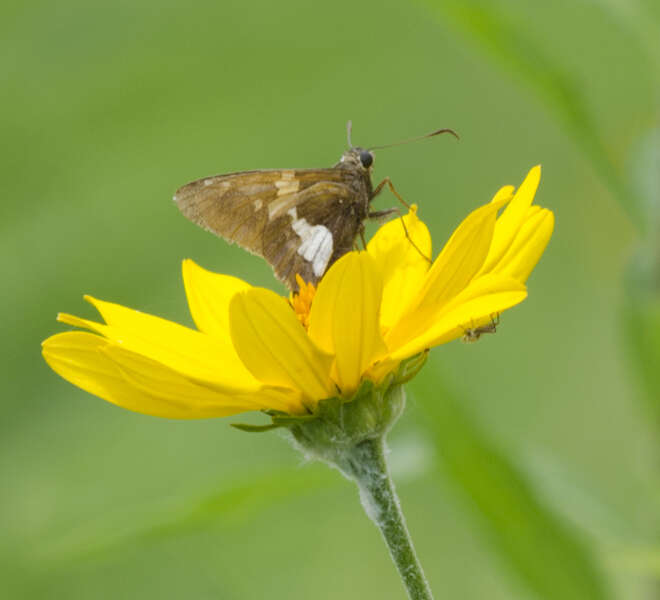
(299, 220)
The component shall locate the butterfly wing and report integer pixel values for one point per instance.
(299, 220)
(318, 226)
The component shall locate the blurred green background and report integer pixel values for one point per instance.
(527, 464)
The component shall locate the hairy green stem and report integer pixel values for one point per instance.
(350, 436)
(367, 466)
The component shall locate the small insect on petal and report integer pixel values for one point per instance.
(472, 334)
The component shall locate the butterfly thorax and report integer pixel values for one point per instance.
(359, 162)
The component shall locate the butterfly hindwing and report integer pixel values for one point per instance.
(320, 225)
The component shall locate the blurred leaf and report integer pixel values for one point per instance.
(638, 17)
(641, 312)
(524, 57)
(230, 507)
(549, 557)
(641, 317)
(643, 560)
(644, 177)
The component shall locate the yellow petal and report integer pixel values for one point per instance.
(344, 319)
(512, 218)
(402, 265)
(83, 359)
(209, 295)
(193, 354)
(456, 265)
(485, 297)
(462, 256)
(275, 347)
(152, 378)
(482, 287)
(528, 246)
(504, 193)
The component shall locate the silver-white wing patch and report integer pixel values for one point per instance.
(315, 242)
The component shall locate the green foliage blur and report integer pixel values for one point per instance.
(527, 464)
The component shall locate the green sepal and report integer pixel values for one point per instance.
(367, 414)
(341, 425)
(286, 420)
(255, 428)
(410, 367)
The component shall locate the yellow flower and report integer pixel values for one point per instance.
(255, 350)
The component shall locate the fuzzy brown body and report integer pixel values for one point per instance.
(299, 220)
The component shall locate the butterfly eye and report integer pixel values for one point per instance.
(366, 158)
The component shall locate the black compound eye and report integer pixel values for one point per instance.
(366, 158)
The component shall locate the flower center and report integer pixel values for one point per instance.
(302, 301)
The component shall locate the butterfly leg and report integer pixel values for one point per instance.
(377, 214)
(379, 188)
(364, 242)
(387, 181)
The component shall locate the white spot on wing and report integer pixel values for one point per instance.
(315, 242)
(287, 184)
(257, 204)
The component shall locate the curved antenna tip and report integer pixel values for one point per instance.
(416, 139)
(446, 130)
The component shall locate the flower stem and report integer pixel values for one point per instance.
(367, 466)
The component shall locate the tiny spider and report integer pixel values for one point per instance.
(472, 334)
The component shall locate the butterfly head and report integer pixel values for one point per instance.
(358, 158)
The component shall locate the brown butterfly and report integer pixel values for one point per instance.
(300, 220)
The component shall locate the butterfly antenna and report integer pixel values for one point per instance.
(349, 127)
(415, 139)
